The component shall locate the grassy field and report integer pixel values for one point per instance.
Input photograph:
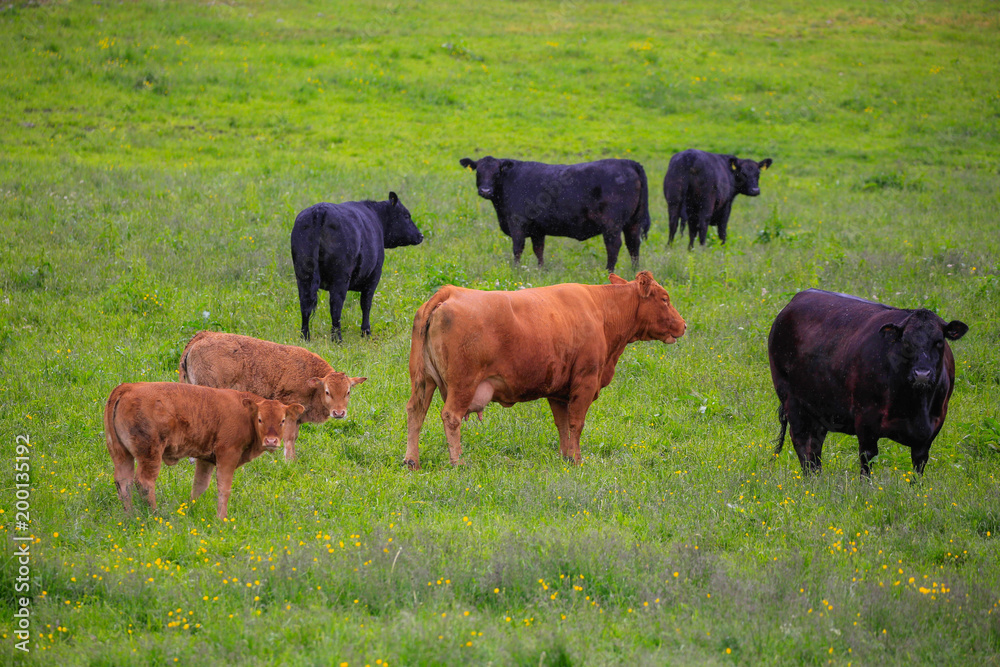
(152, 159)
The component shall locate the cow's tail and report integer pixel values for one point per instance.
(421, 325)
(783, 418)
(641, 215)
(183, 375)
(117, 450)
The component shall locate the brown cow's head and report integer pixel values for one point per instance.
(916, 347)
(269, 419)
(488, 172)
(656, 318)
(333, 392)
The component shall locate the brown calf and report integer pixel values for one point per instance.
(163, 422)
(285, 373)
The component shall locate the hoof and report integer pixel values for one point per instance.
(411, 464)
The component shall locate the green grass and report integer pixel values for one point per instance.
(152, 160)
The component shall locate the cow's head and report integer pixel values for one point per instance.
(747, 174)
(656, 318)
(916, 347)
(269, 418)
(333, 392)
(488, 172)
(397, 225)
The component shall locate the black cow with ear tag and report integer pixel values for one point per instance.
(341, 247)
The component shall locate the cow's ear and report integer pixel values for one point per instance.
(617, 280)
(645, 280)
(294, 410)
(734, 163)
(355, 381)
(955, 330)
(764, 164)
(891, 331)
(314, 383)
(505, 164)
(467, 163)
(250, 405)
(393, 199)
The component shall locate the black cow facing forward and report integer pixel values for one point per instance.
(341, 247)
(844, 364)
(700, 188)
(534, 200)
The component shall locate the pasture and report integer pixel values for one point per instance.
(152, 160)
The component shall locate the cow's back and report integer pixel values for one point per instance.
(577, 200)
(534, 335)
(338, 240)
(243, 363)
(183, 419)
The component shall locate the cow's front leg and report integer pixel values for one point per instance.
(202, 476)
(867, 450)
(560, 414)
(919, 455)
(224, 482)
(517, 238)
(421, 393)
(290, 435)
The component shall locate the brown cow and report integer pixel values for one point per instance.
(560, 342)
(163, 422)
(284, 373)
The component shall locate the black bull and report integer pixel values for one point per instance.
(534, 200)
(847, 365)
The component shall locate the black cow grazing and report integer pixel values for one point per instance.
(844, 364)
(700, 188)
(340, 247)
(534, 200)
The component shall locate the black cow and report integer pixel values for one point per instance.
(340, 247)
(700, 188)
(534, 200)
(844, 364)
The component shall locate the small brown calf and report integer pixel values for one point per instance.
(286, 373)
(164, 422)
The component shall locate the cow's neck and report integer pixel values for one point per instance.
(619, 304)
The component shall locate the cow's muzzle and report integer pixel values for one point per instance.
(272, 442)
(338, 414)
(921, 378)
(485, 193)
(754, 192)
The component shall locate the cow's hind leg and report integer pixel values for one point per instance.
(613, 244)
(456, 407)
(421, 393)
(538, 246)
(367, 294)
(124, 477)
(633, 238)
(338, 293)
(674, 216)
(202, 476)
(149, 470)
(560, 414)
(308, 291)
(807, 436)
